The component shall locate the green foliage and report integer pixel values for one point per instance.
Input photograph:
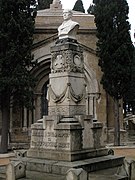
(79, 6)
(91, 9)
(114, 46)
(16, 39)
(129, 98)
(44, 4)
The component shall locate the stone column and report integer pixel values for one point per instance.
(67, 89)
(38, 106)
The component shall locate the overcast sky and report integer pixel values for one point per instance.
(68, 4)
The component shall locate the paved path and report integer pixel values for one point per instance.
(4, 158)
(128, 152)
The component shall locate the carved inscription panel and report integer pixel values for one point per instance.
(55, 140)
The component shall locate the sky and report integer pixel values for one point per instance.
(68, 4)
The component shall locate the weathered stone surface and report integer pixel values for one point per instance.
(61, 138)
(66, 155)
(67, 70)
(76, 174)
(127, 169)
(109, 173)
(15, 170)
(56, 134)
(43, 176)
(123, 136)
(20, 153)
(57, 169)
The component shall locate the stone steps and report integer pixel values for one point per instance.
(3, 172)
(51, 170)
(24, 179)
(107, 177)
(100, 177)
(106, 174)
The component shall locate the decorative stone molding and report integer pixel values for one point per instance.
(68, 93)
(67, 61)
(67, 111)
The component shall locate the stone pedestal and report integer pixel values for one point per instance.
(67, 138)
(66, 134)
(67, 88)
(54, 140)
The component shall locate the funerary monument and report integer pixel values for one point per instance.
(60, 134)
(67, 144)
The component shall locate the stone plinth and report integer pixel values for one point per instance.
(56, 138)
(64, 138)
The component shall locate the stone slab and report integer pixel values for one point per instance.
(2, 172)
(43, 176)
(7, 155)
(66, 155)
(106, 177)
(61, 167)
(105, 174)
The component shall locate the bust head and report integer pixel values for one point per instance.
(68, 28)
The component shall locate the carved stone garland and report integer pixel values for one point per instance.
(68, 92)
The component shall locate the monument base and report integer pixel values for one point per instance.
(51, 170)
(66, 155)
(66, 139)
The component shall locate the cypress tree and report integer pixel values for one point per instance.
(129, 97)
(115, 50)
(44, 4)
(79, 6)
(16, 39)
(90, 10)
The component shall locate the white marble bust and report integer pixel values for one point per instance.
(68, 29)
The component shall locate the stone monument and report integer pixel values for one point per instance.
(67, 143)
(59, 136)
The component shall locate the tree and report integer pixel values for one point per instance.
(79, 6)
(115, 51)
(16, 39)
(90, 10)
(44, 4)
(129, 97)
